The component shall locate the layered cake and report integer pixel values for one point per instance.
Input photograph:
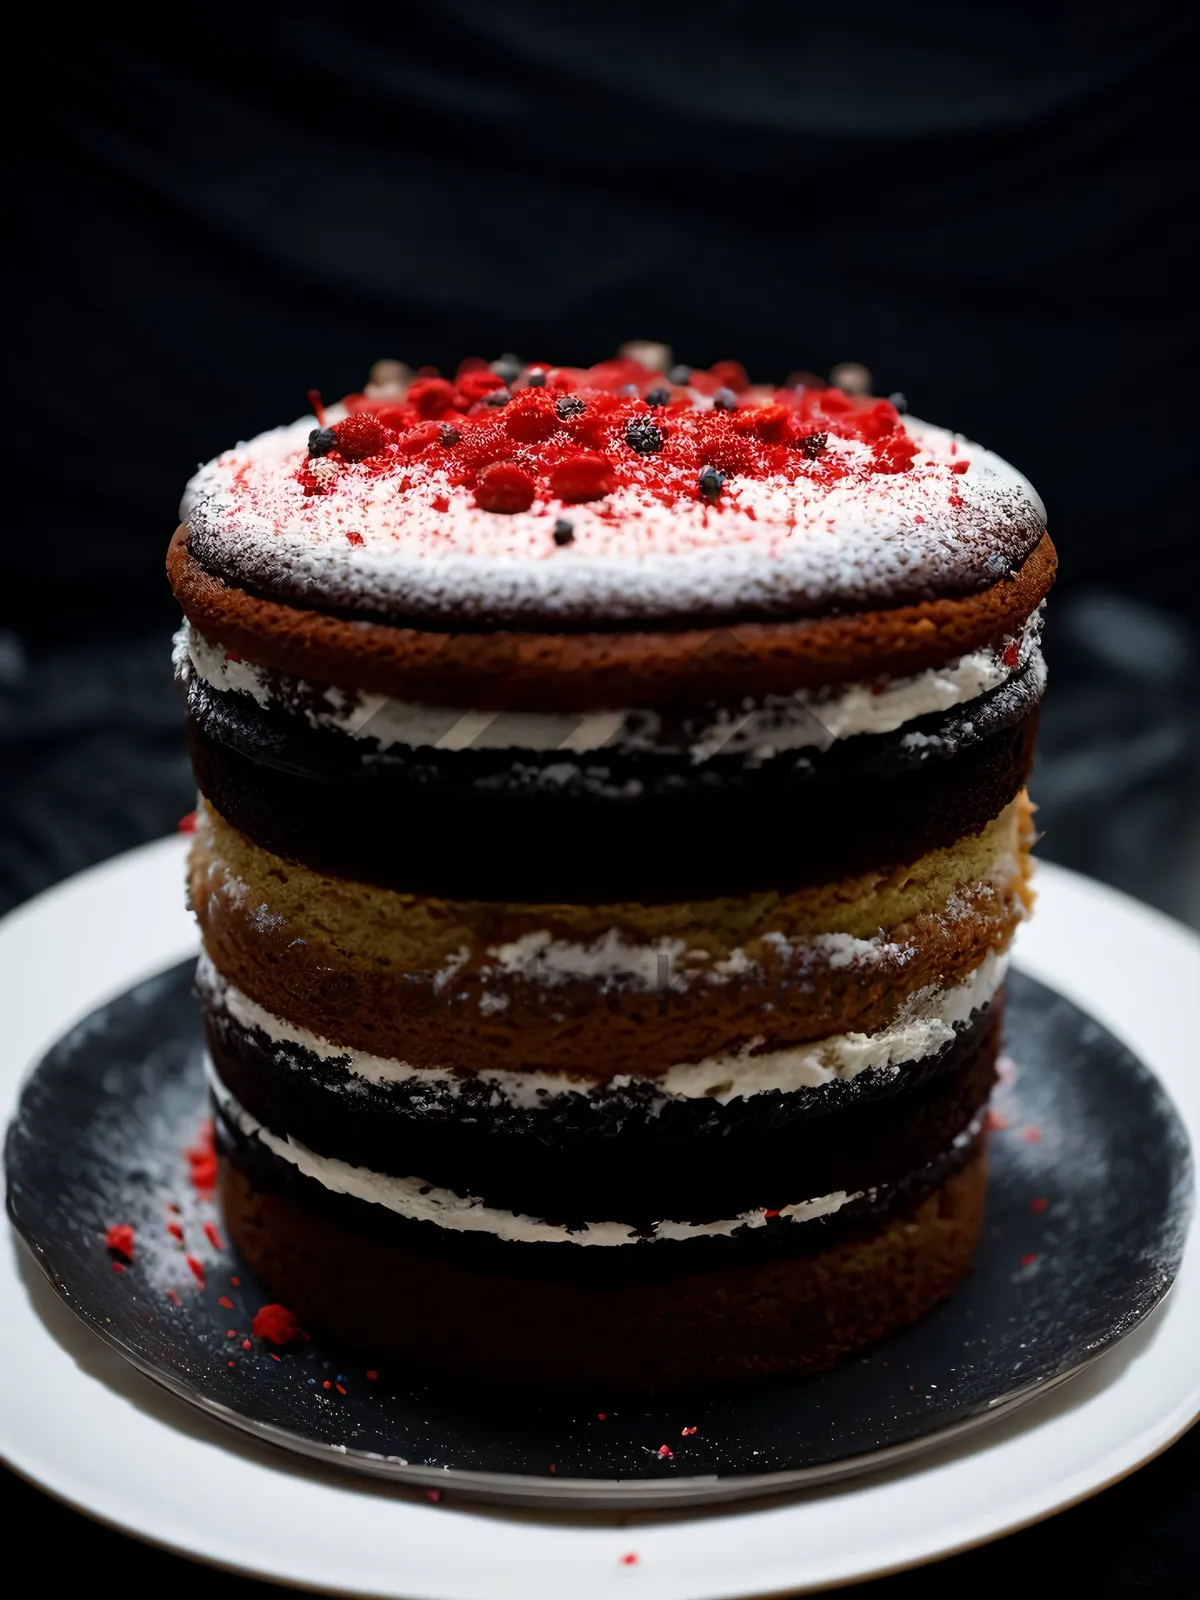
(612, 830)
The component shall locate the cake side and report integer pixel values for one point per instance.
(589, 499)
(606, 895)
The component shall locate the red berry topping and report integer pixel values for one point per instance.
(360, 436)
(276, 1323)
(896, 453)
(423, 437)
(586, 476)
(120, 1238)
(504, 486)
(530, 417)
(473, 386)
(730, 375)
(728, 451)
(431, 396)
(397, 417)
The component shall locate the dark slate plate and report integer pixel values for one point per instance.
(1087, 1215)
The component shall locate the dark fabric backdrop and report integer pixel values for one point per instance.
(993, 206)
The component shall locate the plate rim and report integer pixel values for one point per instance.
(121, 882)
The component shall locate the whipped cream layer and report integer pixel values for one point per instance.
(386, 544)
(926, 1022)
(418, 1201)
(754, 729)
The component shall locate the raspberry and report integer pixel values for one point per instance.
(895, 453)
(360, 436)
(615, 374)
(481, 446)
(586, 476)
(278, 1324)
(730, 374)
(120, 1238)
(772, 423)
(473, 385)
(431, 396)
(877, 421)
(729, 452)
(835, 403)
(643, 436)
(397, 417)
(321, 441)
(504, 487)
(530, 417)
(420, 438)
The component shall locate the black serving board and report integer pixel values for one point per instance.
(1087, 1214)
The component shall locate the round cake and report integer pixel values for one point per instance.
(612, 830)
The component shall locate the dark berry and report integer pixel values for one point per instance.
(680, 375)
(508, 367)
(629, 391)
(448, 434)
(564, 531)
(569, 405)
(643, 436)
(497, 398)
(812, 445)
(900, 402)
(659, 397)
(710, 482)
(724, 400)
(321, 441)
(536, 379)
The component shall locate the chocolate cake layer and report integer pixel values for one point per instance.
(280, 735)
(616, 1154)
(644, 1256)
(782, 826)
(663, 1317)
(571, 670)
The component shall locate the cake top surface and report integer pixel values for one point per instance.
(539, 495)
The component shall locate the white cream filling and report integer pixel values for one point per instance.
(807, 718)
(926, 1022)
(419, 1201)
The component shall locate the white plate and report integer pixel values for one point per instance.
(77, 1420)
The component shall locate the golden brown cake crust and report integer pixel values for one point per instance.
(586, 670)
(366, 967)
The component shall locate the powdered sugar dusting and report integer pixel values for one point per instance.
(411, 542)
